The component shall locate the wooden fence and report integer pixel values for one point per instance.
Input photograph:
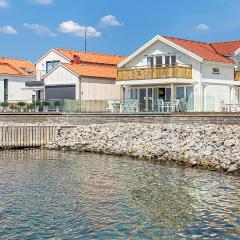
(27, 136)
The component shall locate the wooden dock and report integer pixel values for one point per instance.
(27, 136)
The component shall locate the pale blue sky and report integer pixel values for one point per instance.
(28, 28)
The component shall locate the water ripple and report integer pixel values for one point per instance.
(58, 195)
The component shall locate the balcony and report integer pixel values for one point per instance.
(237, 75)
(178, 71)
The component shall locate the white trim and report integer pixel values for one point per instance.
(52, 49)
(164, 40)
(54, 69)
(155, 81)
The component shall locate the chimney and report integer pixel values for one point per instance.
(76, 59)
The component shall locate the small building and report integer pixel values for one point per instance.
(204, 75)
(75, 75)
(13, 75)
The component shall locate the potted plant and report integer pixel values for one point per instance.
(4, 106)
(45, 105)
(13, 107)
(21, 105)
(38, 105)
(57, 105)
(30, 107)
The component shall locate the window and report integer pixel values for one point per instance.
(180, 92)
(5, 90)
(173, 60)
(150, 62)
(167, 60)
(215, 71)
(50, 65)
(159, 61)
(133, 93)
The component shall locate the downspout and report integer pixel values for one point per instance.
(80, 93)
(201, 94)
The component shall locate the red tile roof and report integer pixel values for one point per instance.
(207, 51)
(91, 70)
(90, 57)
(226, 48)
(16, 67)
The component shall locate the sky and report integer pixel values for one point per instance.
(29, 28)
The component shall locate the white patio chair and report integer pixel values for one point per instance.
(160, 105)
(110, 106)
(113, 106)
(182, 105)
(175, 105)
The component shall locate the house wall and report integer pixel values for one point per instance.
(99, 89)
(61, 76)
(16, 89)
(51, 56)
(217, 88)
(91, 88)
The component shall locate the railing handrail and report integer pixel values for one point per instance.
(154, 66)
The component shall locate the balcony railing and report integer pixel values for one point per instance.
(178, 71)
(237, 75)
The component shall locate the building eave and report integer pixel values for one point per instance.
(164, 40)
(54, 50)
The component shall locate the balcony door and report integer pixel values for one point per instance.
(186, 92)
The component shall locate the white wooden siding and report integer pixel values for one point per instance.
(51, 56)
(99, 89)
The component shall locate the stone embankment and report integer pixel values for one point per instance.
(213, 147)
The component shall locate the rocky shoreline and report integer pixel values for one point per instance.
(208, 146)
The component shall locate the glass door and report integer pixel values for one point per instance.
(150, 100)
(190, 98)
(142, 99)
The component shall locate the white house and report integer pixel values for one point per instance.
(206, 75)
(13, 75)
(75, 75)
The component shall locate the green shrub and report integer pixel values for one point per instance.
(21, 104)
(45, 103)
(4, 104)
(57, 104)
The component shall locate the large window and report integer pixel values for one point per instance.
(50, 65)
(173, 60)
(150, 61)
(5, 90)
(159, 61)
(167, 60)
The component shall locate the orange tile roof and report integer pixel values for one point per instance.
(226, 48)
(91, 70)
(16, 67)
(201, 49)
(90, 57)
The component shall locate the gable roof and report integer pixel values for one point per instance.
(91, 57)
(16, 67)
(202, 49)
(90, 70)
(226, 48)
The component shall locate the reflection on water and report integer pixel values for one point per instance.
(57, 195)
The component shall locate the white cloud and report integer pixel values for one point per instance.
(40, 30)
(4, 4)
(109, 20)
(43, 2)
(73, 28)
(203, 27)
(8, 30)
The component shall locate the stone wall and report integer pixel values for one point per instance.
(85, 119)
